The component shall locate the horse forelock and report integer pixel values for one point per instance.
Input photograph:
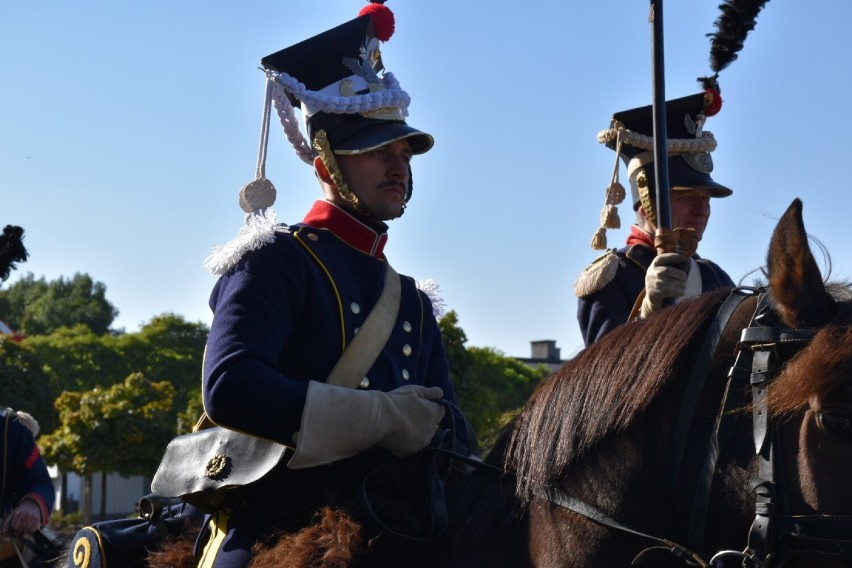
(603, 389)
(822, 366)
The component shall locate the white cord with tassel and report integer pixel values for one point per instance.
(256, 199)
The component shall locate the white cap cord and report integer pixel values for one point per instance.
(260, 194)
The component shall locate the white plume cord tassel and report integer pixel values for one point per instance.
(618, 142)
(260, 171)
(260, 193)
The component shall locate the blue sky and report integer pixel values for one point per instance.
(127, 129)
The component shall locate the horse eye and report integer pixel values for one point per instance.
(836, 424)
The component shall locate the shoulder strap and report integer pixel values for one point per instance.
(361, 353)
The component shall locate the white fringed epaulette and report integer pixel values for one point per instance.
(597, 275)
(431, 289)
(259, 230)
(28, 421)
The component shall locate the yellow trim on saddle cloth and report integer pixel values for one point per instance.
(87, 552)
(218, 531)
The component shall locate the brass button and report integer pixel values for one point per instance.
(313, 236)
(405, 374)
(356, 330)
(406, 350)
(365, 382)
(406, 326)
(356, 309)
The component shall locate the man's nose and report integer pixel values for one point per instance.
(398, 167)
(701, 206)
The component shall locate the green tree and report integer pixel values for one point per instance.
(169, 348)
(491, 387)
(121, 429)
(26, 384)
(499, 388)
(80, 358)
(38, 307)
(457, 355)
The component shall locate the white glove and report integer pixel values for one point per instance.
(340, 422)
(665, 278)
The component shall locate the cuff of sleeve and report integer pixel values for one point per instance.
(42, 506)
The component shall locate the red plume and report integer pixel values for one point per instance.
(383, 20)
(712, 102)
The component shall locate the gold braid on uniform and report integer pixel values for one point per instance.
(645, 198)
(323, 149)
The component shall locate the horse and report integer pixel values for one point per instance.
(717, 432)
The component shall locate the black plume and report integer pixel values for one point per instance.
(11, 249)
(737, 19)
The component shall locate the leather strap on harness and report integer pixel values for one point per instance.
(695, 386)
(558, 497)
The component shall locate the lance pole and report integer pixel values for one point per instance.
(661, 155)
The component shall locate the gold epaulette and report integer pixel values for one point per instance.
(597, 275)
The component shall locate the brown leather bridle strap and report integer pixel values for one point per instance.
(558, 497)
(694, 387)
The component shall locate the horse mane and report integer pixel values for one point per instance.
(829, 353)
(622, 373)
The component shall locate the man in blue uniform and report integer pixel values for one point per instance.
(291, 299)
(26, 490)
(611, 288)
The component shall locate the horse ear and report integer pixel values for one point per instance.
(794, 278)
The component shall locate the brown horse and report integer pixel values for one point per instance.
(717, 432)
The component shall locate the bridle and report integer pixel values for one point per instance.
(774, 536)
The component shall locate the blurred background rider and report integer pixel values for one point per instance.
(612, 285)
(26, 490)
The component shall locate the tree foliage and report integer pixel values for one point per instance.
(38, 307)
(26, 384)
(121, 429)
(491, 387)
(80, 358)
(168, 348)
(457, 355)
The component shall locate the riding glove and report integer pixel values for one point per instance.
(665, 278)
(340, 422)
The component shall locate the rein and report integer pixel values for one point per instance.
(434, 477)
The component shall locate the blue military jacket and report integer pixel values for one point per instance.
(25, 473)
(608, 302)
(285, 313)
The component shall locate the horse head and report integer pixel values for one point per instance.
(811, 400)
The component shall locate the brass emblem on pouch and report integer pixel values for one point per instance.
(216, 466)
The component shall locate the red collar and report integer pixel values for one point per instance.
(639, 237)
(356, 233)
